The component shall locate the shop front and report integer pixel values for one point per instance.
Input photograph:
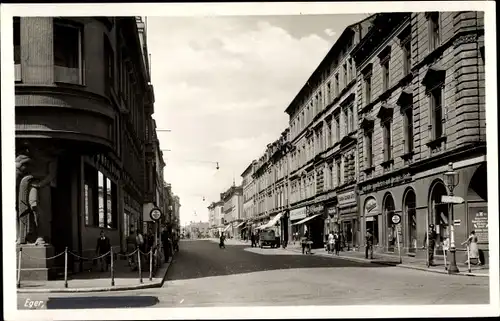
(316, 226)
(372, 221)
(297, 230)
(348, 217)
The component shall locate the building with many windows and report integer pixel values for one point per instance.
(233, 210)
(216, 218)
(421, 106)
(83, 101)
(323, 136)
(248, 184)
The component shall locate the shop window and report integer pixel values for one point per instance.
(107, 202)
(406, 46)
(90, 196)
(372, 224)
(386, 126)
(68, 57)
(368, 88)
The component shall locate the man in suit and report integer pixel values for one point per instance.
(103, 247)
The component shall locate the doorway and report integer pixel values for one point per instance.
(411, 215)
(391, 228)
(439, 215)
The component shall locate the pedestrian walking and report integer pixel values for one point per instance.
(103, 247)
(430, 238)
(305, 243)
(473, 248)
(336, 243)
(331, 242)
(369, 244)
(221, 241)
(252, 239)
(164, 243)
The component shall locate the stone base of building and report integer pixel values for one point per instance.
(34, 263)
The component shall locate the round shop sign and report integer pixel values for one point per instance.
(155, 214)
(396, 219)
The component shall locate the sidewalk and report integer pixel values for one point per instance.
(407, 262)
(96, 281)
(389, 259)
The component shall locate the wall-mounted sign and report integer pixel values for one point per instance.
(347, 198)
(396, 219)
(316, 209)
(370, 206)
(480, 225)
(387, 183)
(155, 214)
(298, 213)
(331, 211)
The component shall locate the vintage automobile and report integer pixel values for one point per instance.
(268, 237)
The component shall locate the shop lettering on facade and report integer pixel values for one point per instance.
(480, 226)
(347, 198)
(386, 183)
(298, 213)
(315, 209)
(332, 212)
(370, 206)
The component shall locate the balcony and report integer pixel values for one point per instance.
(68, 75)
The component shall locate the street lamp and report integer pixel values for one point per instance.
(452, 179)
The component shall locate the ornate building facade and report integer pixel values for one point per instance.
(420, 93)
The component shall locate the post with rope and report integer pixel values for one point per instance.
(66, 267)
(139, 265)
(112, 268)
(151, 265)
(19, 267)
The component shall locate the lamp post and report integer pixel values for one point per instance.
(452, 180)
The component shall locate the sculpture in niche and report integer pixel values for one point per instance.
(31, 176)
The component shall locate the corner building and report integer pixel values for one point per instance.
(420, 97)
(81, 90)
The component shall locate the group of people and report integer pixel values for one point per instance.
(254, 238)
(335, 242)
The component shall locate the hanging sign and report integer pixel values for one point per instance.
(396, 219)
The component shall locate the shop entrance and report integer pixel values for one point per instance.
(372, 224)
(391, 228)
(411, 215)
(439, 215)
(316, 230)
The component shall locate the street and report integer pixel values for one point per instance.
(202, 275)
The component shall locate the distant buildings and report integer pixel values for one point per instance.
(216, 218)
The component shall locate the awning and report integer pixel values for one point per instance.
(227, 227)
(272, 222)
(306, 219)
(240, 224)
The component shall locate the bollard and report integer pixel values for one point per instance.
(112, 269)
(468, 258)
(151, 265)
(19, 268)
(139, 265)
(66, 267)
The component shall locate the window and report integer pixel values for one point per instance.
(385, 74)
(90, 196)
(434, 31)
(345, 121)
(107, 217)
(339, 172)
(351, 68)
(328, 93)
(320, 97)
(17, 40)
(346, 80)
(337, 127)
(369, 148)
(406, 57)
(408, 125)
(437, 112)
(350, 113)
(386, 125)
(109, 68)
(368, 88)
(337, 90)
(328, 134)
(68, 60)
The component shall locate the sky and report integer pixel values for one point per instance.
(222, 85)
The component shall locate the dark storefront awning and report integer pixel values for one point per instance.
(306, 219)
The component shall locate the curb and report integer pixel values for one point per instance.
(153, 284)
(404, 266)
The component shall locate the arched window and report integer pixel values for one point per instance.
(410, 212)
(391, 230)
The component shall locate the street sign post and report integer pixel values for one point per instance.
(396, 219)
(155, 214)
(451, 199)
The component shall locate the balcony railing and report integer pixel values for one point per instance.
(68, 75)
(17, 72)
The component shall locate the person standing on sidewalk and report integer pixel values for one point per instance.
(473, 248)
(430, 238)
(337, 243)
(369, 244)
(331, 242)
(103, 247)
(221, 241)
(164, 243)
